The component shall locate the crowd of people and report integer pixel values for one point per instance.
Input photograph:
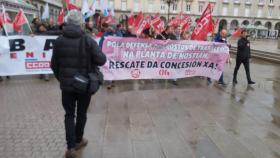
(68, 67)
(101, 29)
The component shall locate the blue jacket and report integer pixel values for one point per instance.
(219, 39)
(106, 34)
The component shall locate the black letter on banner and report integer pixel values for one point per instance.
(16, 45)
(49, 44)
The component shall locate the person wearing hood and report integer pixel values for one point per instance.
(66, 63)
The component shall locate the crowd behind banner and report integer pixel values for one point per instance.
(136, 25)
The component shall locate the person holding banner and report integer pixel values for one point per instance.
(186, 35)
(167, 34)
(108, 32)
(75, 54)
(221, 38)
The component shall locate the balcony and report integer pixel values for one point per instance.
(261, 4)
(248, 3)
(237, 2)
(271, 5)
(226, 1)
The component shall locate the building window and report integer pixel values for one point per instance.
(188, 8)
(261, 1)
(247, 12)
(279, 14)
(200, 7)
(136, 5)
(270, 12)
(235, 12)
(162, 5)
(225, 10)
(98, 4)
(260, 12)
(150, 6)
(123, 4)
(111, 4)
(175, 6)
(271, 1)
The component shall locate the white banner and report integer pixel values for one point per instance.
(26, 55)
(22, 55)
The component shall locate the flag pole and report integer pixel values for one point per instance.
(4, 23)
(159, 33)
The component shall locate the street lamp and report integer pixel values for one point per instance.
(169, 2)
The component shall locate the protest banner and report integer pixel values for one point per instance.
(24, 55)
(127, 58)
(132, 58)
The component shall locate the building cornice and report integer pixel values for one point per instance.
(16, 6)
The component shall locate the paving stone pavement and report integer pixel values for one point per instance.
(149, 119)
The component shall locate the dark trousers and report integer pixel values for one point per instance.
(75, 128)
(246, 64)
(221, 80)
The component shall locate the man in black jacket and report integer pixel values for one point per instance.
(243, 57)
(65, 65)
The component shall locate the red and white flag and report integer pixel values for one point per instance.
(130, 20)
(175, 21)
(158, 24)
(109, 19)
(237, 33)
(185, 22)
(71, 6)
(204, 25)
(4, 19)
(138, 19)
(145, 24)
(60, 18)
(19, 20)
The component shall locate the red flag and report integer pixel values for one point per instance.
(138, 19)
(176, 21)
(108, 19)
(158, 24)
(5, 19)
(237, 33)
(160, 27)
(145, 24)
(60, 18)
(204, 25)
(185, 22)
(2, 21)
(131, 19)
(20, 20)
(155, 21)
(71, 6)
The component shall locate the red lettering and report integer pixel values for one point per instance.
(44, 55)
(38, 65)
(164, 72)
(29, 55)
(13, 55)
